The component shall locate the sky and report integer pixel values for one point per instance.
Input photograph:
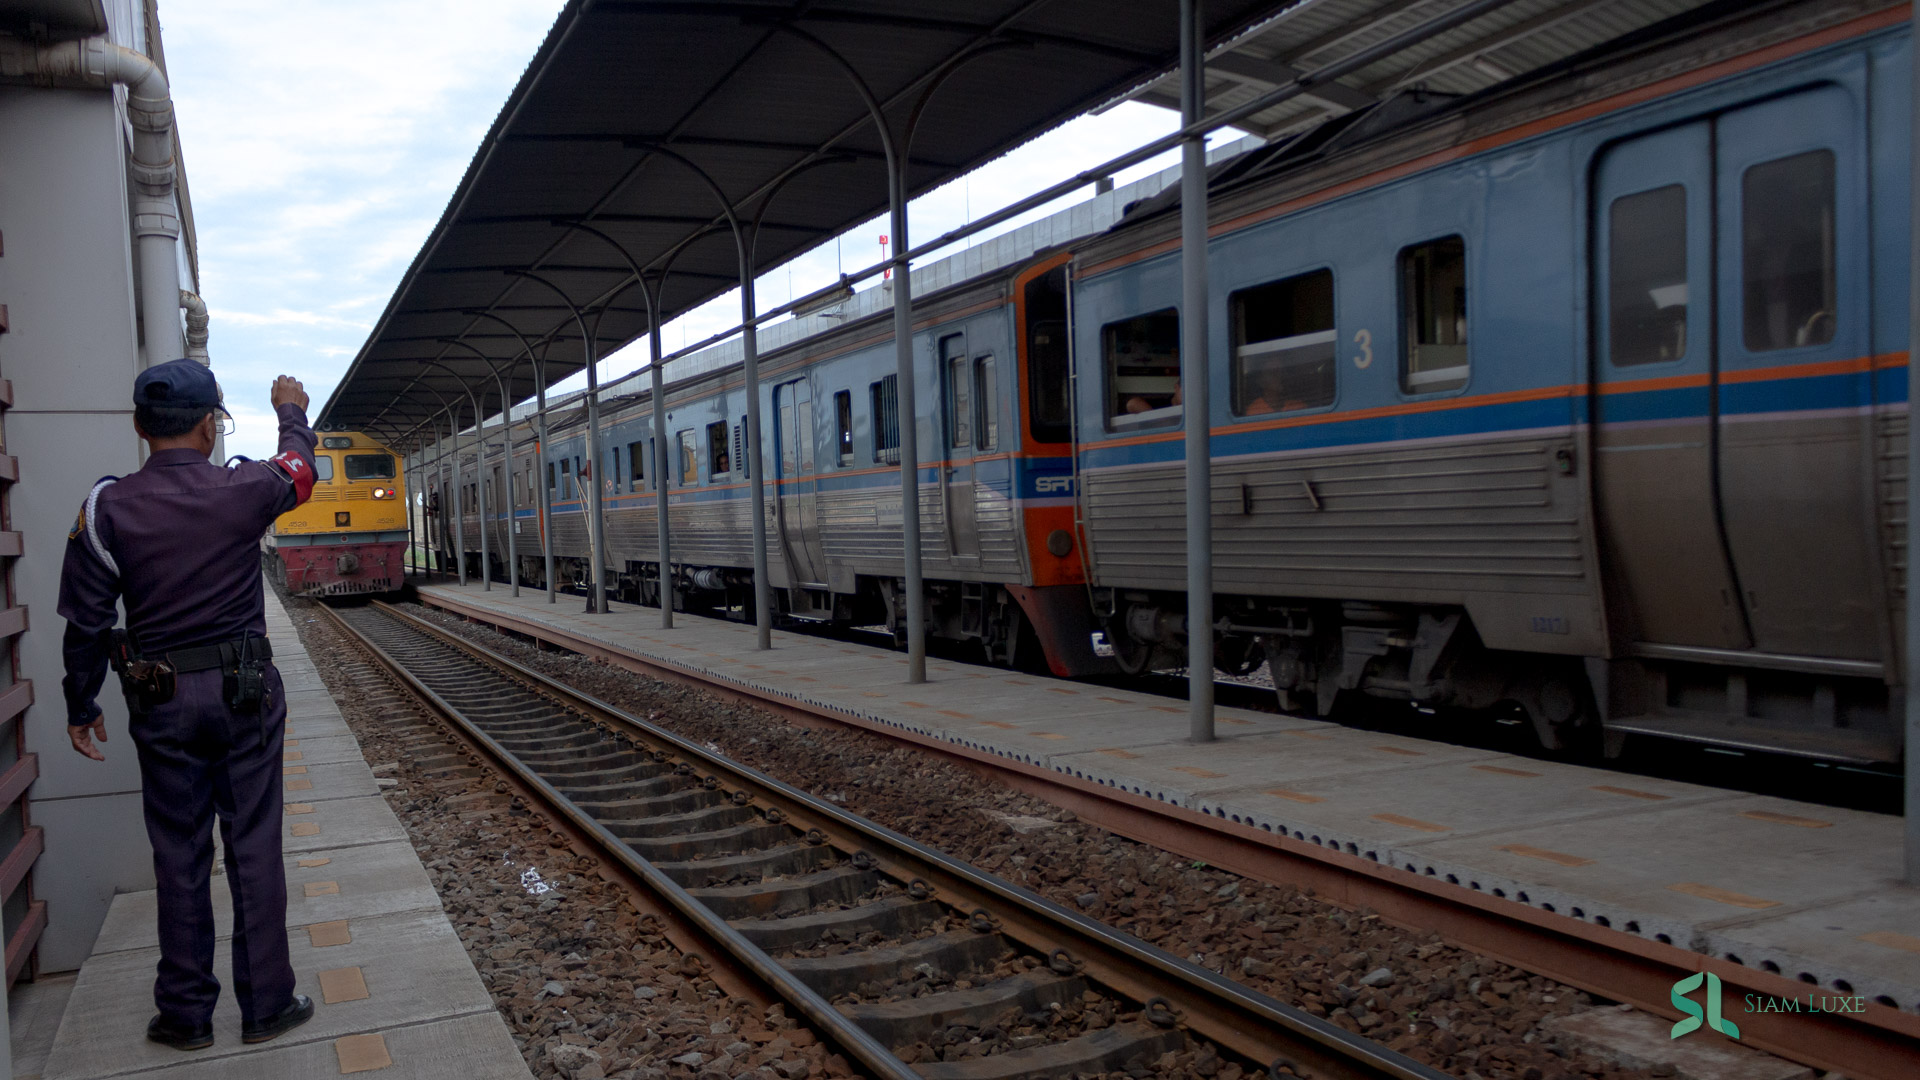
(321, 144)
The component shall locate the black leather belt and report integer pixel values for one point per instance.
(218, 655)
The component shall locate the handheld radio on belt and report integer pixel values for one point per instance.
(151, 683)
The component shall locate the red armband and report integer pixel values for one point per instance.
(297, 472)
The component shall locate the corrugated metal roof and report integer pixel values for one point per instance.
(744, 90)
(1509, 41)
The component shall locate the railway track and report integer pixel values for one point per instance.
(883, 944)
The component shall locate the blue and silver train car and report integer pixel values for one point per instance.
(996, 508)
(1586, 395)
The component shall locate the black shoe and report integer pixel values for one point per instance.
(167, 1033)
(297, 1012)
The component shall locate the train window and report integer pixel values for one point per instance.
(1283, 345)
(1433, 307)
(1143, 369)
(1647, 276)
(886, 419)
(550, 484)
(986, 394)
(689, 458)
(719, 457)
(1049, 406)
(566, 478)
(1786, 256)
(636, 465)
(843, 425)
(953, 360)
(322, 467)
(580, 477)
(369, 466)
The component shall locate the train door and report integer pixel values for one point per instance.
(1654, 400)
(1795, 441)
(798, 516)
(956, 475)
(1732, 381)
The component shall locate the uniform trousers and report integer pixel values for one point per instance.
(199, 759)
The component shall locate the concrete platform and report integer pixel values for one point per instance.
(1810, 892)
(404, 992)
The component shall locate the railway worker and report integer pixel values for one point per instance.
(179, 541)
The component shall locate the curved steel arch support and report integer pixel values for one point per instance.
(540, 437)
(506, 459)
(750, 365)
(596, 531)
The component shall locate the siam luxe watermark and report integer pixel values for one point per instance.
(1755, 1003)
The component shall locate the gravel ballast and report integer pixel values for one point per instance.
(1462, 1013)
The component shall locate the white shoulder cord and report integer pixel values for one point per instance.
(93, 530)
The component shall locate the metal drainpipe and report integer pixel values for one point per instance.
(1195, 379)
(97, 63)
(196, 310)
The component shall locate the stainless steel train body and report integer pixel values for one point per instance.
(1585, 395)
(995, 483)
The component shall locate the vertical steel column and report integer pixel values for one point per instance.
(909, 424)
(660, 474)
(480, 490)
(1195, 378)
(756, 472)
(540, 478)
(1910, 673)
(459, 510)
(596, 600)
(596, 528)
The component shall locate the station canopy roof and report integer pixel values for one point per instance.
(622, 90)
(624, 94)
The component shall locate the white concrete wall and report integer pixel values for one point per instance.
(67, 280)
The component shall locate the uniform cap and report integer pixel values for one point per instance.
(178, 384)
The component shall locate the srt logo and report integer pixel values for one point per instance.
(1049, 484)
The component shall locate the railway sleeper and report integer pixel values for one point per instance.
(714, 842)
(596, 787)
(1108, 1050)
(892, 915)
(903, 1023)
(840, 885)
(665, 811)
(793, 858)
(704, 819)
(525, 744)
(955, 952)
(581, 764)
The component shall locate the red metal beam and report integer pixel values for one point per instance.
(25, 938)
(14, 782)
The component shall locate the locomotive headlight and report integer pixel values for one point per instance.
(381, 493)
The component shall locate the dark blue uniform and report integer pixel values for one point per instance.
(179, 541)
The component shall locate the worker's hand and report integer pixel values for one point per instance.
(84, 734)
(288, 391)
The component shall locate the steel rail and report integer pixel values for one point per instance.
(1233, 1016)
(847, 1036)
(1880, 1043)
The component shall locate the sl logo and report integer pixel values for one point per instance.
(1691, 1021)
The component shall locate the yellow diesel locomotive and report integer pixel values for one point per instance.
(351, 537)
